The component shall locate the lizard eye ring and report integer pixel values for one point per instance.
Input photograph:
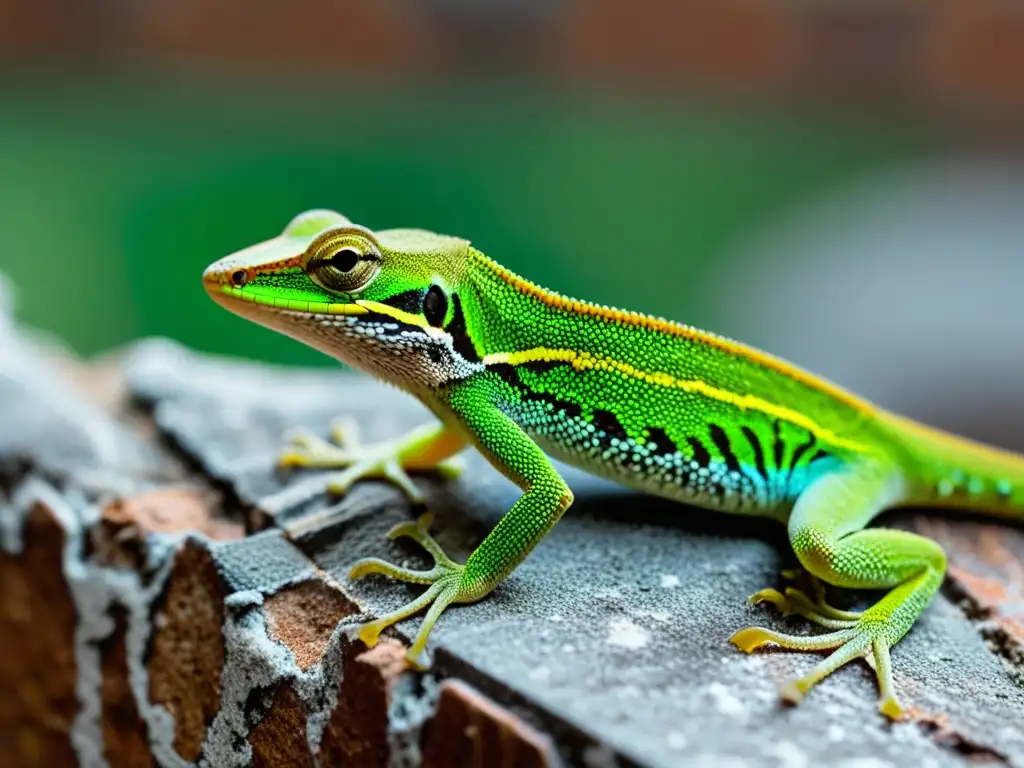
(342, 264)
(239, 278)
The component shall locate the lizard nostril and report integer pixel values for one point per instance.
(239, 278)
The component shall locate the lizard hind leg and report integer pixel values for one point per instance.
(827, 532)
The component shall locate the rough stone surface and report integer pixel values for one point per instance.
(613, 633)
(160, 634)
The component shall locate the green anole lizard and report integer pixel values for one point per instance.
(521, 373)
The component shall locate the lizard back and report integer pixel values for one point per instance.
(658, 405)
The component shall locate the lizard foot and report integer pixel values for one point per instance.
(445, 580)
(796, 602)
(357, 461)
(869, 636)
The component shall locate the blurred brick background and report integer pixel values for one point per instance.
(963, 57)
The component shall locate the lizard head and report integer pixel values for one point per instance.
(383, 302)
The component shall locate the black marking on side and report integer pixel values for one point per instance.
(610, 423)
(700, 453)
(659, 437)
(407, 301)
(721, 441)
(507, 373)
(820, 454)
(800, 451)
(778, 445)
(755, 445)
(510, 375)
(461, 340)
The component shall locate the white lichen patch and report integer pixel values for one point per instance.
(624, 633)
(408, 711)
(669, 581)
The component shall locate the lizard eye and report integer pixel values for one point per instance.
(344, 260)
(239, 278)
(342, 270)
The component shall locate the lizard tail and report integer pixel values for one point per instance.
(952, 471)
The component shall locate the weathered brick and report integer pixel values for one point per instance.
(470, 729)
(976, 54)
(741, 42)
(39, 701)
(303, 616)
(279, 741)
(357, 731)
(125, 737)
(188, 646)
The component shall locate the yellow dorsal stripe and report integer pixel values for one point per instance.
(657, 324)
(583, 361)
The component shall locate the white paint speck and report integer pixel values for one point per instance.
(540, 674)
(725, 701)
(676, 740)
(789, 755)
(625, 634)
(669, 581)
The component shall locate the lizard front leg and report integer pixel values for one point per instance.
(430, 448)
(826, 529)
(545, 497)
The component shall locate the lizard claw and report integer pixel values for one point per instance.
(446, 586)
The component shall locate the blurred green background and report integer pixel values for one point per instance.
(116, 195)
(623, 151)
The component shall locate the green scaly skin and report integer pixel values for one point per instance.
(521, 373)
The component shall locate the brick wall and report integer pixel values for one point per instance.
(962, 56)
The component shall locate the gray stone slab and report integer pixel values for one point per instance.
(612, 635)
(52, 426)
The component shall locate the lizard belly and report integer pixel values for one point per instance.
(659, 469)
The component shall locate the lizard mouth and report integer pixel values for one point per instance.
(266, 280)
(232, 296)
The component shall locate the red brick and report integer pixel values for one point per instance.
(357, 731)
(279, 741)
(861, 49)
(303, 617)
(188, 647)
(125, 741)
(470, 729)
(735, 41)
(37, 673)
(976, 54)
(354, 35)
